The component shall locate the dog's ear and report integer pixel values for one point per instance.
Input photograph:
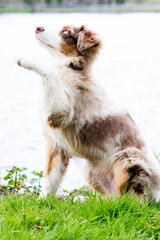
(86, 40)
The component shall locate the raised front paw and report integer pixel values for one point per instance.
(21, 62)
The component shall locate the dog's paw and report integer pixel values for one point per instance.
(42, 196)
(81, 198)
(20, 62)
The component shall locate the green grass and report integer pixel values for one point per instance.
(113, 9)
(16, 10)
(27, 217)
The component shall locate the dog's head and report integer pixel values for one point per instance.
(70, 41)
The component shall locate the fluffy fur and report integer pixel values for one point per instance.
(79, 120)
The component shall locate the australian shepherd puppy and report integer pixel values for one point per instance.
(79, 120)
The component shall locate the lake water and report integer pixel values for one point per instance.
(128, 68)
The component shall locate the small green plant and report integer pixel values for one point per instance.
(16, 178)
(38, 176)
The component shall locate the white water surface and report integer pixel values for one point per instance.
(128, 68)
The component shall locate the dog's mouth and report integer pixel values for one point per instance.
(48, 45)
(37, 32)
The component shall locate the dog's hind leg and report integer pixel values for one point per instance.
(56, 165)
(134, 173)
(93, 179)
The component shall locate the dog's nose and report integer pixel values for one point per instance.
(39, 29)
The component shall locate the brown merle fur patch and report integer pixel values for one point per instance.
(102, 129)
(56, 120)
(129, 162)
(88, 44)
(69, 50)
(136, 173)
(69, 42)
(137, 182)
(79, 43)
(76, 65)
(94, 137)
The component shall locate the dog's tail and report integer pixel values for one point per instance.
(137, 174)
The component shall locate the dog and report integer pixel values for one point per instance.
(79, 120)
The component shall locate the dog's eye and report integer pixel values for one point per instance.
(65, 32)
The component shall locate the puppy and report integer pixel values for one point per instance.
(79, 120)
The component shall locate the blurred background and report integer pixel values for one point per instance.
(79, 5)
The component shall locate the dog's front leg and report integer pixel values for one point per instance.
(56, 165)
(58, 105)
(33, 65)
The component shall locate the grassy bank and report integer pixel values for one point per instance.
(15, 10)
(27, 217)
(93, 8)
